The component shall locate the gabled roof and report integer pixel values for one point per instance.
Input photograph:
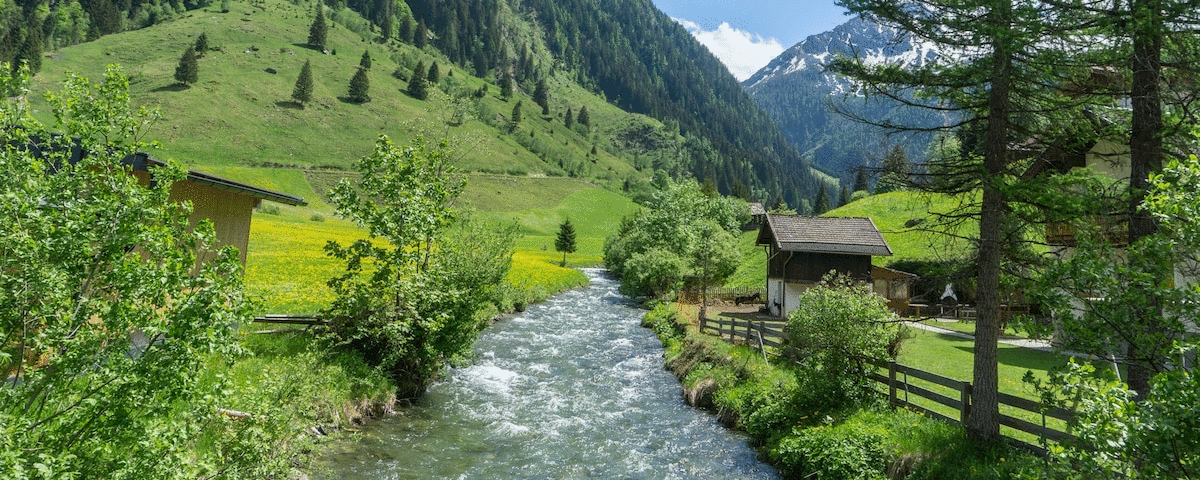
(757, 209)
(143, 161)
(840, 235)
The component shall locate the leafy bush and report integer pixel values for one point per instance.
(107, 315)
(270, 209)
(839, 325)
(848, 451)
(413, 305)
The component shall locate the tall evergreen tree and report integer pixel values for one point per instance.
(1001, 58)
(569, 118)
(365, 62)
(187, 71)
(302, 92)
(435, 74)
(821, 205)
(515, 119)
(30, 51)
(406, 30)
(418, 87)
(201, 45)
(565, 242)
(541, 96)
(583, 118)
(421, 37)
(506, 85)
(895, 173)
(861, 184)
(360, 86)
(318, 32)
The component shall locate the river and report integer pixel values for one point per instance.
(571, 388)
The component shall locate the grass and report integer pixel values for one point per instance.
(953, 357)
(240, 112)
(891, 211)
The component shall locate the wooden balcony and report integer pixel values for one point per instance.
(1111, 229)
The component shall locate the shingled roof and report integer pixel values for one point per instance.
(841, 235)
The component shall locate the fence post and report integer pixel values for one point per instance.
(892, 383)
(965, 398)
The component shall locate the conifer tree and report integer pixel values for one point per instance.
(569, 119)
(319, 31)
(566, 240)
(860, 181)
(516, 114)
(822, 203)
(435, 75)
(30, 51)
(417, 86)
(421, 37)
(506, 85)
(406, 30)
(541, 96)
(302, 93)
(365, 62)
(360, 85)
(583, 118)
(201, 45)
(845, 196)
(188, 70)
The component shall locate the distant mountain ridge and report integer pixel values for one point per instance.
(800, 94)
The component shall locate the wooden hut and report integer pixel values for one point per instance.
(801, 250)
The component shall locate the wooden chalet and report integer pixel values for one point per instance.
(801, 250)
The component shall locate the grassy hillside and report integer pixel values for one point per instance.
(240, 112)
(903, 218)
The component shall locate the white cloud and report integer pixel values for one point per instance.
(742, 52)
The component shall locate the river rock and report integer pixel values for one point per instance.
(700, 395)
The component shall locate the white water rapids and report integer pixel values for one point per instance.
(571, 388)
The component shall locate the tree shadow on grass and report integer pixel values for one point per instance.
(1021, 357)
(174, 87)
(289, 104)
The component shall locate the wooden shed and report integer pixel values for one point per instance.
(801, 250)
(895, 286)
(227, 203)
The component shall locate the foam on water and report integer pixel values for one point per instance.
(571, 388)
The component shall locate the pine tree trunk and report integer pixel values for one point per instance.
(984, 421)
(1146, 157)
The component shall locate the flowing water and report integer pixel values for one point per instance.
(571, 388)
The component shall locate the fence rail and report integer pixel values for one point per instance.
(898, 379)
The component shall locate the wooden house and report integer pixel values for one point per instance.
(229, 204)
(801, 250)
(894, 285)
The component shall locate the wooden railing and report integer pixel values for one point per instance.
(957, 395)
(767, 336)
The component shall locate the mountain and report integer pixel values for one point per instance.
(658, 101)
(802, 97)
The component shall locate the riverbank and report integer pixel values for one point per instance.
(805, 436)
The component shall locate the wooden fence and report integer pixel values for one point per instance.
(692, 295)
(904, 382)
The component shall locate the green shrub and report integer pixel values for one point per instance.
(316, 217)
(270, 209)
(849, 451)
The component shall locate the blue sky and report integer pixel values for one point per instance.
(746, 35)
